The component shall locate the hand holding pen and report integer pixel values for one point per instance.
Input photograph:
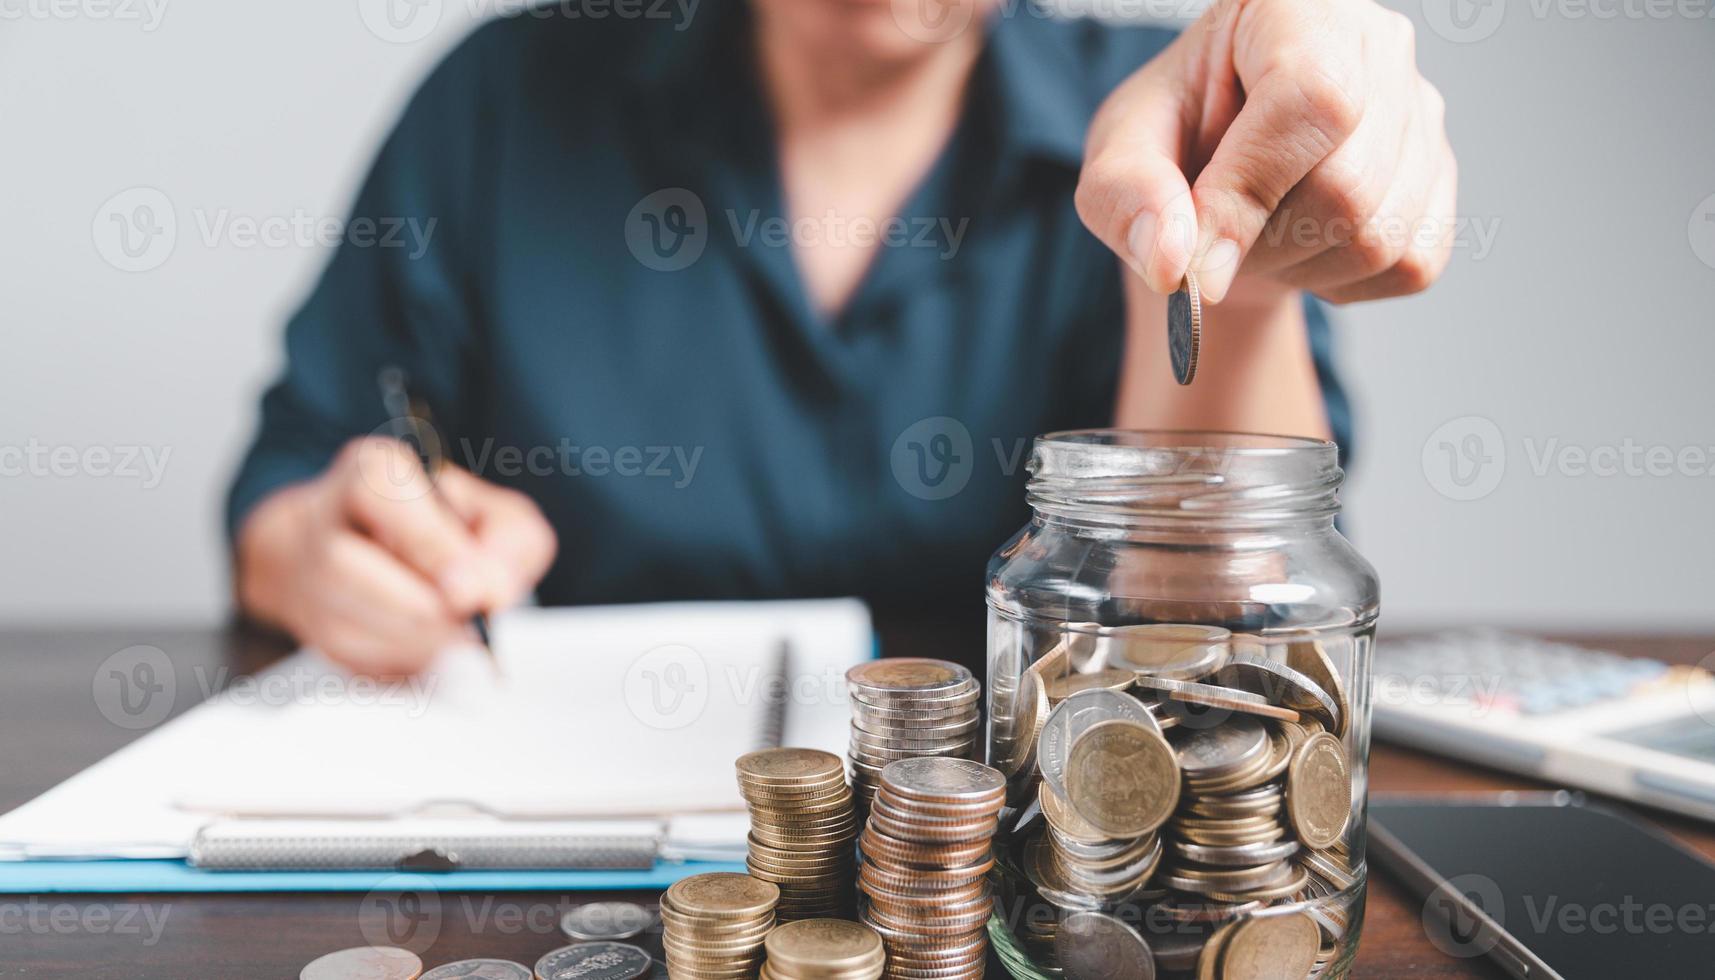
(380, 564)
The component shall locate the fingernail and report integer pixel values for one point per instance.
(1140, 240)
(1219, 267)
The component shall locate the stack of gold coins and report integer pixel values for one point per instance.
(801, 829)
(823, 949)
(713, 925)
(908, 708)
(925, 855)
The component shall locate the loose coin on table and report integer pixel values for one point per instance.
(607, 920)
(595, 961)
(480, 970)
(365, 963)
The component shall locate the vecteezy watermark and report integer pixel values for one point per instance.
(667, 687)
(669, 229)
(408, 21)
(402, 910)
(137, 229)
(147, 465)
(566, 458)
(137, 687)
(1466, 233)
(939, 21)
(1469, 21)
(147, 13)
(1701, 231)
(1464, 459)
(33, 916)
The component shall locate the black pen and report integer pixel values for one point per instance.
(418, 431)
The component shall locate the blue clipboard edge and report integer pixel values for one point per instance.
(127, 876)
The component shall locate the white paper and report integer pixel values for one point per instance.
(598, 712)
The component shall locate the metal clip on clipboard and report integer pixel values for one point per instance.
(430, 843)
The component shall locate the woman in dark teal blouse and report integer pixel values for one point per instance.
(769, 303)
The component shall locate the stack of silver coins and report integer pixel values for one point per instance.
(1197, 777)
(801, 829)
(714, 925)
(823, 949)
(926, 852)
(909, 708)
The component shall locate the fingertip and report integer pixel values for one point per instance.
(1217, 269)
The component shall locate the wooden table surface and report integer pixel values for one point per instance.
(52, 725)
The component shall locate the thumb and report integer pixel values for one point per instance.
(1132, 193)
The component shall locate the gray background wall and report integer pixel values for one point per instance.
(1581, 326)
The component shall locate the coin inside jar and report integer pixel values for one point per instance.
(1221, 750)
(1319, 791)
(1281, 685)
(1122, 778)
(1077, 714)
(1096, 946)
(1270, 946)
(1177, 652)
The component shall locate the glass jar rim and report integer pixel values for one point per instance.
(1126, 475)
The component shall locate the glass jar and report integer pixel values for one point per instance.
(1178, 690)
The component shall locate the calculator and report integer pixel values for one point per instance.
(1633, 728)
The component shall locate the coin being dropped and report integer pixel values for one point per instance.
(1185, 328)
(480, 970)
(365, 963)
(1094, 946)
(594, 961)
(606, 920)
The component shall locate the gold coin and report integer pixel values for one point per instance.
(1319, 791)
(1270, 946)
(1310, 659)
(789, 767)
(1122, 778)
(824, 945)
(1062, 818)
(722, 895)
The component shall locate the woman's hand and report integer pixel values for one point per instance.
(1288, 141)
(371, 565)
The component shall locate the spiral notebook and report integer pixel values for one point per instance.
(606, 743)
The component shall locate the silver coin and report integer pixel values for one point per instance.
(1281, 685)
(606, 920)
(1185, 328)
(1076, 715)
(364, 963)
(1210, 752)
(479, 970)
(1238, 855)
(944, 779)
(595, 961)
(1094, 946)
(1179, 652)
